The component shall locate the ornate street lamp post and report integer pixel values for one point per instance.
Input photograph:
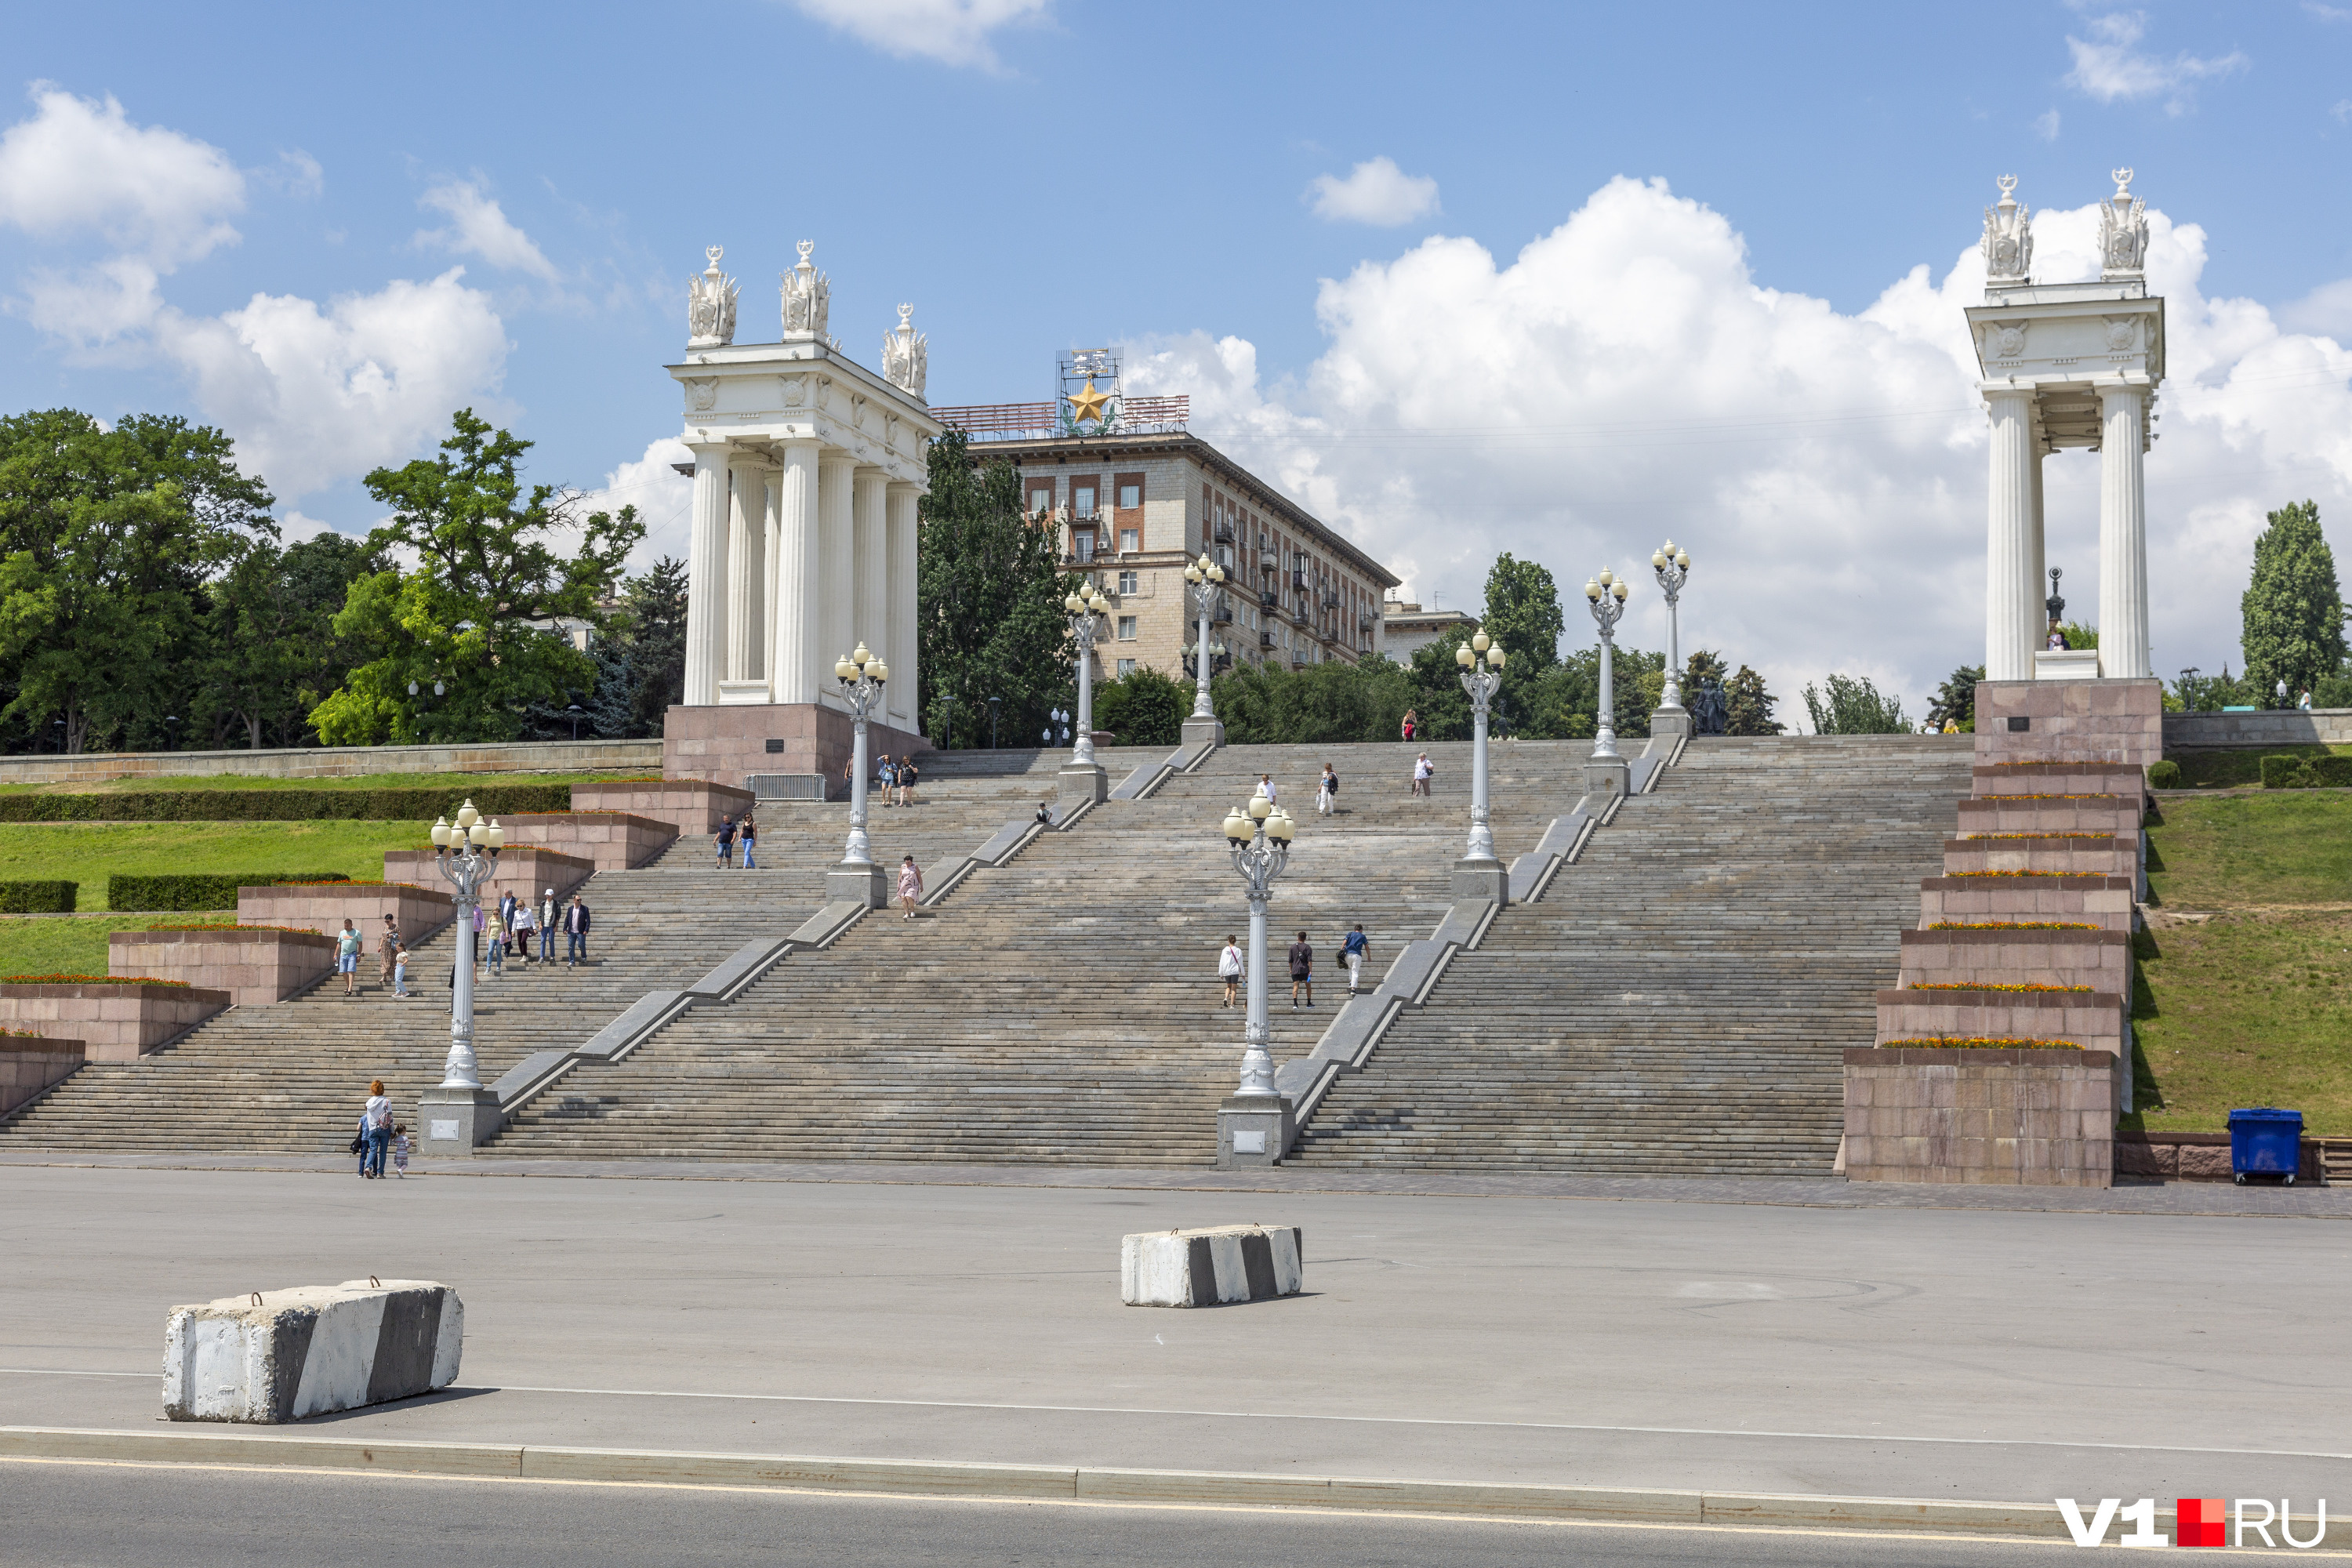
(1605, 773)
(1208, 581)
(1083, 778)
(1478, 874)
(1255, 1123)
(460, 1113)
(1673, 567)
(857, 879)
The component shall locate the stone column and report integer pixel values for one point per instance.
(2122, 536)
(2009, 510)
(771, 491)
(870, 620)
(902, 653)
(746, 561)
(799, 627)
(706, 578)
(836, 567)
(2037, 581)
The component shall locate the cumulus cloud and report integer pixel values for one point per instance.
(1375, 192)
(479, 226)
(952, 32)
(312, 395)
(2046, 125)
(2109, 66)
(663, 498)
(1624, 379)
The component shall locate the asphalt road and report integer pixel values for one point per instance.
(119, 1516)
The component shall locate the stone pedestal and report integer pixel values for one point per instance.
(850, 883)
(726, 744)
(2115, 721)
(1081, 782)
(1254, 1130)
(1607, 775)
(1204, 733)
(1477, 879)
(454, 1122)
(1669, 722)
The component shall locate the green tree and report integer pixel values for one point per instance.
(271, 654)
(1523, 613)
(657, 646)
(2293, 611)
(1143, 707)
(487, 568)
(989, 604)
(1323, 704)
(1747, 706)
(1956, 699)
(1853, 705)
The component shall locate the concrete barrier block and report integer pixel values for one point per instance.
(280, 1355)
(1208, 1268)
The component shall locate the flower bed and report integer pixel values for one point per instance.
(1957, 986)
(231, 925)
(86, 980)
(2016, 873)
(1979, 1043)
(2055, 832)
(2015, 925)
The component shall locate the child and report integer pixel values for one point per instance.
(400, 1146)
(400, 972)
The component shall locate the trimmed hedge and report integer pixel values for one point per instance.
(2331, 772)
(283, 804)
(197, 890)
(2165, 775)
(38, 898)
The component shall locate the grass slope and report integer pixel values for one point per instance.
(455, 783)
(2249, 1007)
(2239, 764)
(89, 853)
(64, 944)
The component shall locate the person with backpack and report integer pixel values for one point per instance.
(1423, 770)
(1326, 792)
(1302, 971)
(885, 775)
(376, 1130)
(1353, 953)
(1230, 968)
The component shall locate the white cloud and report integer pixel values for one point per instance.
(479, 226)
(1624, 379)
(1375, 192)
(297, 174)
(2109, 66)
(2326, 308)
(2046, 125)
(663, 498)
(952, 32)
(78, 165)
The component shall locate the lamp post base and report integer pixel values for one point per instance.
(852, 883)
(1672, 721)
(1606, 776)
(1082, 784)
(1204, 732)
(1254, 1130)
(1482, 879)
(454, 1122)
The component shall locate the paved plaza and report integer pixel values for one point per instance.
(1641, 1338)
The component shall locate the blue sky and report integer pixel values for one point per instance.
(1428, 350)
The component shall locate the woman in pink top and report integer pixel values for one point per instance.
(910, 886)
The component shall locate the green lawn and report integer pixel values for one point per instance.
(65, 944)
(2246, 1010)
(2281, 846)
(89, 853)
(2239, 765)
(455, 783)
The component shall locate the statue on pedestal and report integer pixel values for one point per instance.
(1710, 714)
(711, 305)
(2008, 237)
(807, 295)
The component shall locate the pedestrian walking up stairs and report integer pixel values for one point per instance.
(289, 1077)
(1678, 1001)
(1067, 1011)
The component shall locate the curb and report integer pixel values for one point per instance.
(1041, 1482)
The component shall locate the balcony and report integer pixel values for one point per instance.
(1298, 580)
(1223, 616)
(1330, 600)
(1266, 639)
(1268, 599)
(1223, 533)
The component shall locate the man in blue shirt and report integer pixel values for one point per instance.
(1353, 953)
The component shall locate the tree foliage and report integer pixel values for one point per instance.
(486, 567)
(1956, 699)
(2292, 610)
(1853, 705)
(988, 605)
(1523, 613)
(1143, 707)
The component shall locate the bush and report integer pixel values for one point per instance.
(420, 805)
(2165, 775)
(198, 891)
(2285, 773)
(38, 898)
(1143, 707)
(2333, 772)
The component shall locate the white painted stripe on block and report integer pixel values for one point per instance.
(281, 1355)
(1209, 1267)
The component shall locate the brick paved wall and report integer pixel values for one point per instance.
(2019, 1118)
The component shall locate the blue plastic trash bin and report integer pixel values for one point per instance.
(2265, 1143)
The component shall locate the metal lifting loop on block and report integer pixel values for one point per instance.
(375, 1282)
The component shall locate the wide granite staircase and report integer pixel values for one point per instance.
(1678, 1002)
(290, 1077)
(1066, 1009)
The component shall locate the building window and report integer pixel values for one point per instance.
(1130, 495)
(1131, 539)
(1127, 628)
(1041, 501)
(1126, 667)
(1082, 501)
(1082, 543)
(1126, 582)
(1225, 556)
